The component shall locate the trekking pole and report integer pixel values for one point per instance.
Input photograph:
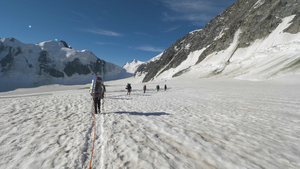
(103, 103)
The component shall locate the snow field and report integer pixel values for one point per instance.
(196, 123)
(45, 131)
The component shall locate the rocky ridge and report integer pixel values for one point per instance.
(255, 19)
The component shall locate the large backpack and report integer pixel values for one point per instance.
(96, 88)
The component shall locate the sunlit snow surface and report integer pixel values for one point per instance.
(200, 123)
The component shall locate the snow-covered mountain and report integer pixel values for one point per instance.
(135, 65)
(27, 65)
(251, 40)
(132, 66)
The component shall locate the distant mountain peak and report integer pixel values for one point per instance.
(132, 66)
(50, 62)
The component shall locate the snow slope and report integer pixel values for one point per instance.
(274, 56)
(196, 123)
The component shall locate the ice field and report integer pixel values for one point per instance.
(196, 123)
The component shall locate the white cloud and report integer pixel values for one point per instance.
(192, 17)
(188, 6)
(172, 29)
(105, 43)
(103, 32)
(150, 49)
(194, 11)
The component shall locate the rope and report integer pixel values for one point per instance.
(90, 167)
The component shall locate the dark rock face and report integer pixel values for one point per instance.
(255, 18)
(98, 67)
(65, 44)
(43, 58)
(7, 61)
(47, 66)
(53, 72)
(76, 67)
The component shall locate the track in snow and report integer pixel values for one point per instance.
(207, 124)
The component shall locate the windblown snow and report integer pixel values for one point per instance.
(196, 123)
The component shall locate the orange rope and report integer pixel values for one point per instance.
(90, 167)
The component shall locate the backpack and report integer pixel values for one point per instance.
(103, 89)
(96, 87)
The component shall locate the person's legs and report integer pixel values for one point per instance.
(95, 104)
(99, 104)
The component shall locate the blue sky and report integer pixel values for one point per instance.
(116, 31)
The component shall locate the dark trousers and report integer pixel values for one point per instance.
(97, 103)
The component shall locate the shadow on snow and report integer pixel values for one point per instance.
(118, 98)
(143, 114)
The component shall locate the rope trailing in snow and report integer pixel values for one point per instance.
(90, 167)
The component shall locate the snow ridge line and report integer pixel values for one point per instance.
(90, 167)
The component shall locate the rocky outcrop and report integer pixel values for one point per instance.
(65, 44)
(255, 19)
(76, 66)
(7, 60)
(48, 66)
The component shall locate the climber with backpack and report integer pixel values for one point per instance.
(144, 88)
(128, 87)
(97, 91)
(103, 92)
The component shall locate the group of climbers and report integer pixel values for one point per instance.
(145, 88)
(97, 90)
